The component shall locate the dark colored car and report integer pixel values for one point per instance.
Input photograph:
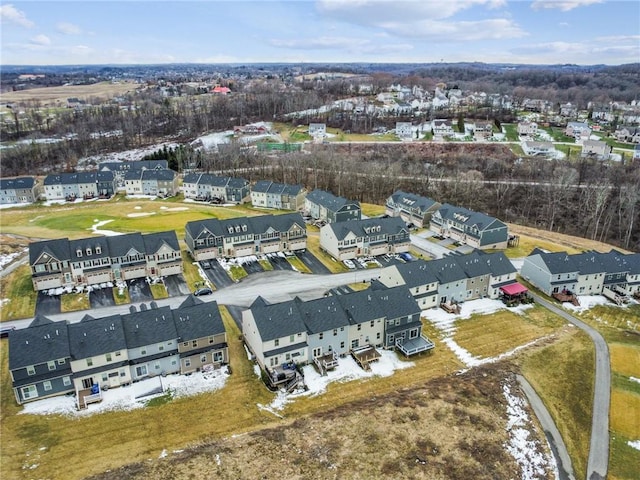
(203, 291)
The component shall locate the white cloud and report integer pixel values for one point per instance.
(319, 43)
(68, 28)
(452, 32)
(564, 5)
(607, 50)
(41, 40)
(9, 13)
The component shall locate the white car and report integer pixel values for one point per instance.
(349, 264)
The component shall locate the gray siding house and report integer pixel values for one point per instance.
(329, 208)
(370, 237)
(240, 237)
(18, 190)
(413, 209)
(471, 228)
(550, 272)
(269, 194)
(206, 187)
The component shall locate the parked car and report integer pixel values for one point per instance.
(5, 331)
(205, 264)
(349, 264)
(203, 291)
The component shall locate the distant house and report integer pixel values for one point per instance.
(277, 195)
(636, 152)
(58, 358)
(568, 110)
(603, 113)
(18, 190)
(442, 128)
(240, 237)
(578, 130)
(325, 206)
(413, 209)
(629, 134)
(221, 90)
(251, 129)
(90, 261)
(538, 148)
(482, 130)
(211, 188)
(156, 182)
(119, 169)
(370, 237)
(596, 148)
(526, 128)
(318, 131)
(86, 185)
(404, 130)
(472, 228)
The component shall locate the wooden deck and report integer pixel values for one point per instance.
(364, 356)
(326, 362)
(450, 307)
(566, 296)
(85, 397)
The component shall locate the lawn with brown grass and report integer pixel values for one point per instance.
(72, 302)
(562, 373)
(486, 336)
(159, 291)
(334, 266)
(58, 95)
(372, 210)
(17, 287)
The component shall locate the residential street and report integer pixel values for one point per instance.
(598, 462)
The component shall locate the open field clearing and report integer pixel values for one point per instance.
(563, 242)
(625, 358)
(527, 243)
(17, 289)
(58, 95)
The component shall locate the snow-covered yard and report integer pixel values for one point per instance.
(10, 257)
(133, 396)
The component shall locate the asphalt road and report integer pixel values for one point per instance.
(598, 461)
(559, 449)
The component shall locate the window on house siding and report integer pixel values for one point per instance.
(217, 356)
(51, 365)
(321, 335)
(89, 362)
(292, 338)
(108, 357)
(31, 370)
(276, 342)
(66, 381)
(30, 391)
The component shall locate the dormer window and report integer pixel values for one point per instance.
(88, 251)
(98, 250)
(79, 253)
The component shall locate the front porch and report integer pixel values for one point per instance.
(414, 345)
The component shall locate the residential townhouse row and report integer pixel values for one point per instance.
(95, 260)
(19, 190)
(70, 186)
(329, 208)
(461, 224)
(369, 237)
(453, 279)
(240, 237)
(587, 273)
(332, 326)
(57, 358)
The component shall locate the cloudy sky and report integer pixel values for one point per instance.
(243, 31)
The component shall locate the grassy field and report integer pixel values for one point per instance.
(59, 95)
(562, 374)
(18, 289)
(372, 210)
(298, 265)
(72, 302)
(159, 291)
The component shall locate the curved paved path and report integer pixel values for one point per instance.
(556, 443)
(598, 461)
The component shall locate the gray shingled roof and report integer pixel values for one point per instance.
(91, 337)
(322, 314)
(412, 201)
(245, 225)
(367, 227)
(417, 273)
(329, 200)
(58, 249)
(149, 327)
(469, 218)
(397, 302)
(361, 307)
(16, 183)
(154, 241)
(120, 245)
(43, 341)
(447, 270)
(61, 179)
(160, 175)
(278, 320)
(266, 186)
(588, 263)
(198, 321)
(557, 262)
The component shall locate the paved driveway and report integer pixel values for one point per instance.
(280, 263)
(312, 263)
(252, 267)
(139, 290)
(102, 297)
(217, 275)
(176, 285)
(47, 304)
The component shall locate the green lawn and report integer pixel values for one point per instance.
(72, 302)
(159, 291)
(511, 132)
(18, 288)
(121, 298)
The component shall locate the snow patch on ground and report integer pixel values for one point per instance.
(10, 257)
(140, 214)
(346, 371)
(133, 396)
(445, 323)
(587, 302)
(174, 209)
(529, 454)
(634, 444)
(126, 156)
(634, 379)
(95, 228)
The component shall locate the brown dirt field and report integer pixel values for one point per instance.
(562, 239)
(448, 428)
(58, 95)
